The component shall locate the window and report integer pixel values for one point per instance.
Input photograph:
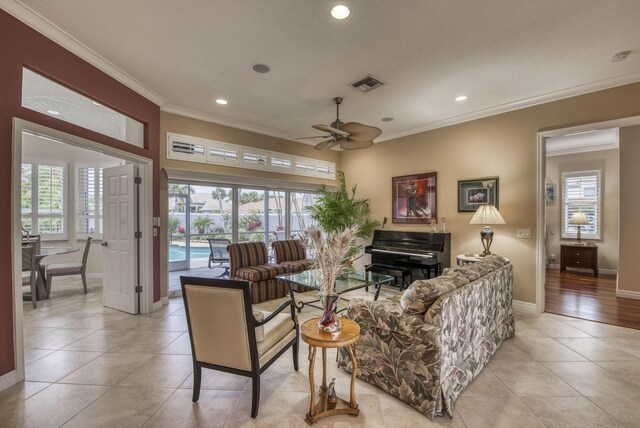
(43, 199)
(89, 200)
(581, 193)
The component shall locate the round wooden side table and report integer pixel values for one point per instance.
(316, 338)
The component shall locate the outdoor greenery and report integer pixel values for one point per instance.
(173, 224)
(201, 223)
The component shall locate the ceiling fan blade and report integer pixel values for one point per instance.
(327, 128)
(355, 145)
(326, 145)
(360, 132)
(308, 138)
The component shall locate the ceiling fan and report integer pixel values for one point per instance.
(350, 135)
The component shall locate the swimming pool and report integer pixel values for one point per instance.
(177, 252)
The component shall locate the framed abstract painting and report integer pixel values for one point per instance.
(414, 198)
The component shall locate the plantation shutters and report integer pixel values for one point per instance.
(89, 201)
(43, 197)
(581, 193)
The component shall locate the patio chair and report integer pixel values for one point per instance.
(219, 256)
(225, 334)
(67, 269)
(29, 270)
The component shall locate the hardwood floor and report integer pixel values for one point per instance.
(582, 295)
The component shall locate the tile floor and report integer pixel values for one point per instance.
(89, 366)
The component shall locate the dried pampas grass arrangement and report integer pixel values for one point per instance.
(332, 252)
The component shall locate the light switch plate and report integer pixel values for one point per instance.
(523, 233)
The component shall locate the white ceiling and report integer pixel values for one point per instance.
(503, 54)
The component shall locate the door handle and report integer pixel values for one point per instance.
(105, 244)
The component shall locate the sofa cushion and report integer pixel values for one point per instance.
(290, 249)
(473, 271)
(297, 265)
(260, 272)
(422, 293)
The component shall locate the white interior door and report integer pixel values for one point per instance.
(119, 241)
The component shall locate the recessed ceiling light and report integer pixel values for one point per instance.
(261, 68)
(53, 112)
(222, 101)
(460, 98)
(620, 56)
(386, 119)
(340, 11)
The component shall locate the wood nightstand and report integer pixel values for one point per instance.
(579, 256)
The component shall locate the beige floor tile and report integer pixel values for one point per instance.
(57, 365)
(589, 379)
(144, 342)
(598, 329)
(556, 412)
(180, 346)
(51, 407)
(58, 338)
(486, 383)
(213, 379)
(161, 371)
(558, 329)
(20, 392)
(525, 330)
(170, 323)
(629, 345)
(624, 408)
(545, 349)
(495, 412)
(509, 352)
(121, 407)
(107, 369)
(627, 370)
(30, 355)
(33, 332)
(211, 410)
(530, 379)
(101, 341)
(595, 349)
(398, 414)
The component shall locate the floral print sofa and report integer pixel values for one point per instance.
(426, 345)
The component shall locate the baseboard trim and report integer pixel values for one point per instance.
(602, 271)
(8, 379)
(165, 300)
(524, 305)
(156, 306)
(608, 271)
(626, 294)
(94, 275)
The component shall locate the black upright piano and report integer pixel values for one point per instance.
(409, 255)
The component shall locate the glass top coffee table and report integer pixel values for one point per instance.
(349, 281)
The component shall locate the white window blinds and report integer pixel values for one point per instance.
(581, 193)
(89, 196)
(43, 199)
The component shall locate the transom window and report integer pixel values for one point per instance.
(581, 193)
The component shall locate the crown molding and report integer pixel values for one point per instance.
(206, 117)
(526, 102)
(59, 36)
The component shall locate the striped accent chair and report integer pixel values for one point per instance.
(292, 255)
(249, 262)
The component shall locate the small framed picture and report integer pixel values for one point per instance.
(473, 193)
(549, 192)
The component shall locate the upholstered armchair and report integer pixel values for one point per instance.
(291, 254)
(249, 262)
(226, 335)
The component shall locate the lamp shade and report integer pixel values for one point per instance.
(487, 214)
(578, 218)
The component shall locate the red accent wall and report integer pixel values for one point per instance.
(21, 46)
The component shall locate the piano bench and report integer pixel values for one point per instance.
(396, 272)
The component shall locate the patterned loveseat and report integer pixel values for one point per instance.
(426, 345)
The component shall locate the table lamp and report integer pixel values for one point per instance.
(486, 214)
(579, 219)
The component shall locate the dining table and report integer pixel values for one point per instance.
(43, 287)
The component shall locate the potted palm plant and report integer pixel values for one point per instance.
(340, 218)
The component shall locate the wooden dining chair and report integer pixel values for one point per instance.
(225, 334)
(29, 270)
(67, 269)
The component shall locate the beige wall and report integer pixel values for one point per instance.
(35, 148)
(629, 268)
(197, 128)
(607, 161)
(503, 145)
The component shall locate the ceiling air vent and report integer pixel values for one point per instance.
(367, 83)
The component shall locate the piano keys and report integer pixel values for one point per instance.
(409, 255)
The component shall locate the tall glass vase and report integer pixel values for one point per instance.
(329, 321)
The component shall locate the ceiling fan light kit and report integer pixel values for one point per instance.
(350, 135)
